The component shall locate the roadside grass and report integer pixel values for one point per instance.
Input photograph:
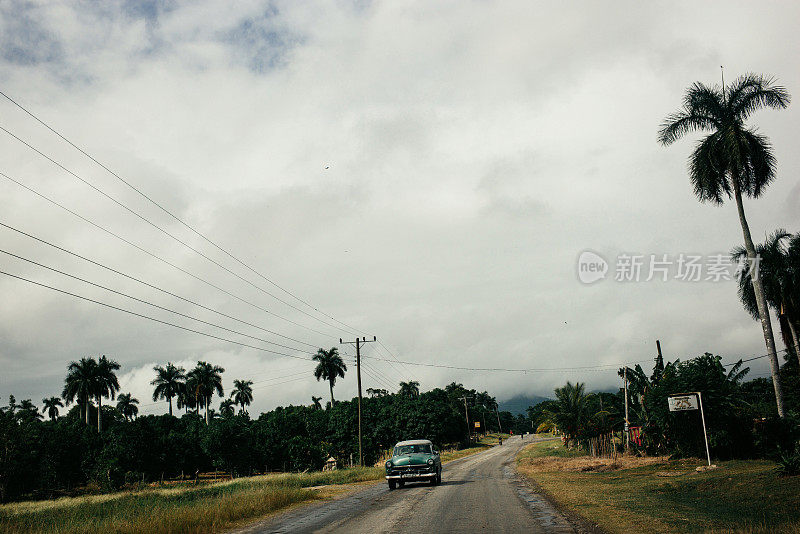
(206, 508)
(655, 495)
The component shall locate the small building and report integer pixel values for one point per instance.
(330, 464)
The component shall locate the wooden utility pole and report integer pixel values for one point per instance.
(358, 343)
(627, 433)
(466, 415)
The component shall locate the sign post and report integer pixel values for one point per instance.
(685, 402)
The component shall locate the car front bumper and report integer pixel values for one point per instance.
(411, 476)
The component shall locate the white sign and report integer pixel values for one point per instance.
(680, 403)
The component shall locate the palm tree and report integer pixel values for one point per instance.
(127, 406)
(226, 408)
(167, 382)
(732, 160)
(185, 398)
(242, 393)
(329, 367)
(105, 385)
(572, 409)
(79, 384)
(51, 407)
(204, 380)
(28, 410)
(779, 280)
(409, 389)
(316, 404)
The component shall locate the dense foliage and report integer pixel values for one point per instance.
(741, 417)
(49, 457)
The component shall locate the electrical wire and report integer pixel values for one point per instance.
(168, 212)
(159, 258)
(143, 316)
(160, 229)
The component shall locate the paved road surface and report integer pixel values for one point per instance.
(478, 493)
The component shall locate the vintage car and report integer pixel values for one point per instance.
(414, 461)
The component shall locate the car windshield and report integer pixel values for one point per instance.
(412, 449)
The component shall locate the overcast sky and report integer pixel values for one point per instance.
(426, 172)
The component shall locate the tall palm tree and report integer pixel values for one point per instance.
(779, 280)
(733, 160)
(409, 389)
(205, 379)
(51, 407)
(79, 384)
(105, 385)
(242, 393)
(226, 408)
(315, 402)
(127, 406)
(167, 382)
(329, 367)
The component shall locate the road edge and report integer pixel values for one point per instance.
(581, 524)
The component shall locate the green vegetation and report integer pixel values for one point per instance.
(645, 495)
(741, 420)
(185, 507)
(66, 456)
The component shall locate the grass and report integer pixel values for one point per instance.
(655, 495)
(207, 508)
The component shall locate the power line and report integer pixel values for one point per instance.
(148, 302)
(160, 229)
(143, 316)
(153, 286)
(165, 210)
(159, 258)
(606, 367)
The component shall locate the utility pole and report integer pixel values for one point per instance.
(627, 434)
(358, 343)
(466, 415)
(658, 345)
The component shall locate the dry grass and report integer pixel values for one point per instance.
(206, 508)
(654, 495)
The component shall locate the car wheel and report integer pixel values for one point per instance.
(439, 478)
(401, 484)
(391, 485)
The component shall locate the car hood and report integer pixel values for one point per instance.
(411, 459)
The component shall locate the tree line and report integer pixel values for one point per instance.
(68, 452)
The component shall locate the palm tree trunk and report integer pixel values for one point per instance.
(761, 302)
(207, 403)
(793, 331)
(170, 405)
(99, 410)
(331, 386)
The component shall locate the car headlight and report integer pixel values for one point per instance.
(389, 463)
(430, 461)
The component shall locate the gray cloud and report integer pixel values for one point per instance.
(427, 173)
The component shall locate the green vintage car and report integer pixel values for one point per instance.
(414, 461)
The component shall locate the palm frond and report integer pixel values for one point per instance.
(708, 166)
(752, 92)
(758, 161)
(678, 124)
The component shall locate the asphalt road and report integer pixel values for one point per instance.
(478, 493)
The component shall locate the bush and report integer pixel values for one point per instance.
(789, 464)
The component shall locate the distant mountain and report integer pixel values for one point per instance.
(518, 405)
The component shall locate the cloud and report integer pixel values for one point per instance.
(427, 173)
